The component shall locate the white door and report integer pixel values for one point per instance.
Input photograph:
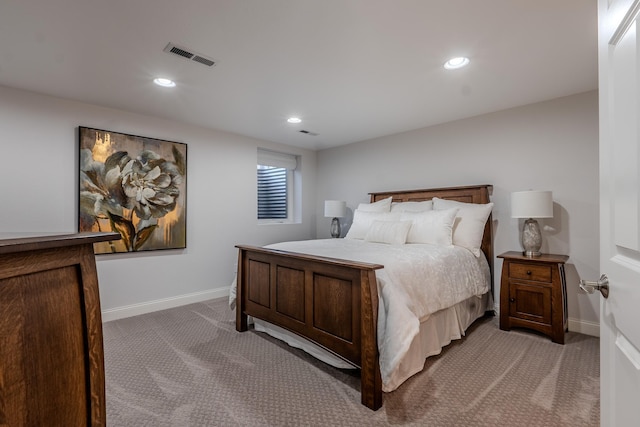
(619, 81)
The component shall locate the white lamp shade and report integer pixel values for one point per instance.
(335, 208)
(531, 204)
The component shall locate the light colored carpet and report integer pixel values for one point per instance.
(188, 366)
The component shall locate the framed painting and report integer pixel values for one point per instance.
(135, 186)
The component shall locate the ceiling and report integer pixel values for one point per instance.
(352, 70)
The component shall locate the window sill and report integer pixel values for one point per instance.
(276, 222)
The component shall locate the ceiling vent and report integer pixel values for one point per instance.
(189, 54)
(308, 133)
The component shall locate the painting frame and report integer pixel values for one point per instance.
(132, 185)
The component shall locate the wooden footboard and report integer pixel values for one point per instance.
(331, 302)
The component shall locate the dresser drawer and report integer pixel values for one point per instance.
(539, 273)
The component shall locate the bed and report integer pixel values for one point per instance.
(341, 305)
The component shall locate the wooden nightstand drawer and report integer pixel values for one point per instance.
(539, 273)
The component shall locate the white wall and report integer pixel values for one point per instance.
(546, 146)
(39, 178)
(551, 145)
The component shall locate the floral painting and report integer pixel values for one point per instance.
(134, 186)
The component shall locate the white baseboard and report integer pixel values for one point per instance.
(584, 327)
(575, 325)
(162, 304)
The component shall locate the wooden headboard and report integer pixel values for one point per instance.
(470, 194)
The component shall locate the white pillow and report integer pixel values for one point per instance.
(362, 221)
(391, 232)
(383, 205)
(427, 205)
(470, 220)
(434, 227)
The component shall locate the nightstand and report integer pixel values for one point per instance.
(533, 294)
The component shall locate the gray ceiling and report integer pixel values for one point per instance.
(351, 69)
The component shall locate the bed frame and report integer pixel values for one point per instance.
(332, 302)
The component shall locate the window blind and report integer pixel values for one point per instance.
(278, 160)
(272, 193)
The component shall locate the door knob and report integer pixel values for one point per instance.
(601, 285)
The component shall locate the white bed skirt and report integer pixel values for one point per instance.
(435, 333)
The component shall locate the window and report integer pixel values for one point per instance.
(272, 192)
(275, 186)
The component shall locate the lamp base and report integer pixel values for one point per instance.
(335, 228)
(531, 238)
(531, 254)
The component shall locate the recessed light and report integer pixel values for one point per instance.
(294, 120)
(160, 81)
(454, 63)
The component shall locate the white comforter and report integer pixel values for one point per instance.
(417, 280)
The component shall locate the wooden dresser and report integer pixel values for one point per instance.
(51, 355)
(533, 294)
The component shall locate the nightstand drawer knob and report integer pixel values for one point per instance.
(601, 285)
(529, 272)
(512, 300)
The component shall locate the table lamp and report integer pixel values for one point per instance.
(531, 204)
(335, 209)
